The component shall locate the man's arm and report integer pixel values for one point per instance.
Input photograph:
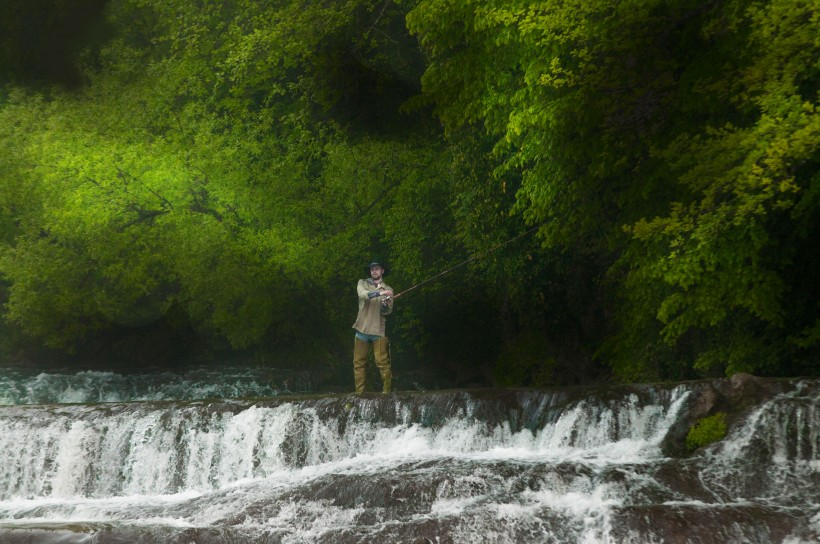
(387, 301)
(365, 293)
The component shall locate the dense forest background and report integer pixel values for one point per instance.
(193, 180)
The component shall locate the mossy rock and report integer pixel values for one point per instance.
(706, 431)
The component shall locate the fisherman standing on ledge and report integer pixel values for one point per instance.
(375, 303)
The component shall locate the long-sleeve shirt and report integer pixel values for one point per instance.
(373, 308)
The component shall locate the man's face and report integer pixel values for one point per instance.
(376, 272)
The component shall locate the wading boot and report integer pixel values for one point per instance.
(381, 348)
(360, 349)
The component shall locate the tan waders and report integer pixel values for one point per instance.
(359, 362)
(381, 351)
(381, 348)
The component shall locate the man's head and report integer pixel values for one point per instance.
(376, 270)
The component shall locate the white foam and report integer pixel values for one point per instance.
(186, 465)
(158, 451)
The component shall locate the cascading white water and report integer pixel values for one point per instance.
(449, 467)
(784, 436)
(157, 449)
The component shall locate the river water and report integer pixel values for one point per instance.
(208, 458)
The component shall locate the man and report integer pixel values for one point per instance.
(375, 303)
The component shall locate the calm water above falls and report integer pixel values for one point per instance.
(18, 386)
(576, 466)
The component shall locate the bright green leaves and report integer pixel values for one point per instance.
(690, 127)
(224, 159)
(203, 168)
(729, 252)
(146, 193)
(554, 84)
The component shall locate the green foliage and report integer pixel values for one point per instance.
(196, 168)
(676, 140)
(706, 431)
(233, 164)
(727, 256)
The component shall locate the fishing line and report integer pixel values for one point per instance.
(473, 258)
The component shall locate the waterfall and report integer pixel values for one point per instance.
(573, 465)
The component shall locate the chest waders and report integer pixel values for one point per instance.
(381, 353)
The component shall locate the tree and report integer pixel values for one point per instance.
(209, 164)
(675, 141)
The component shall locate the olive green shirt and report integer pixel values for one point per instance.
(372, 311)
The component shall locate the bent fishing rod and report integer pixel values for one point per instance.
(473, 258)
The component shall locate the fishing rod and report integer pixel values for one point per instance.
(473, 258)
